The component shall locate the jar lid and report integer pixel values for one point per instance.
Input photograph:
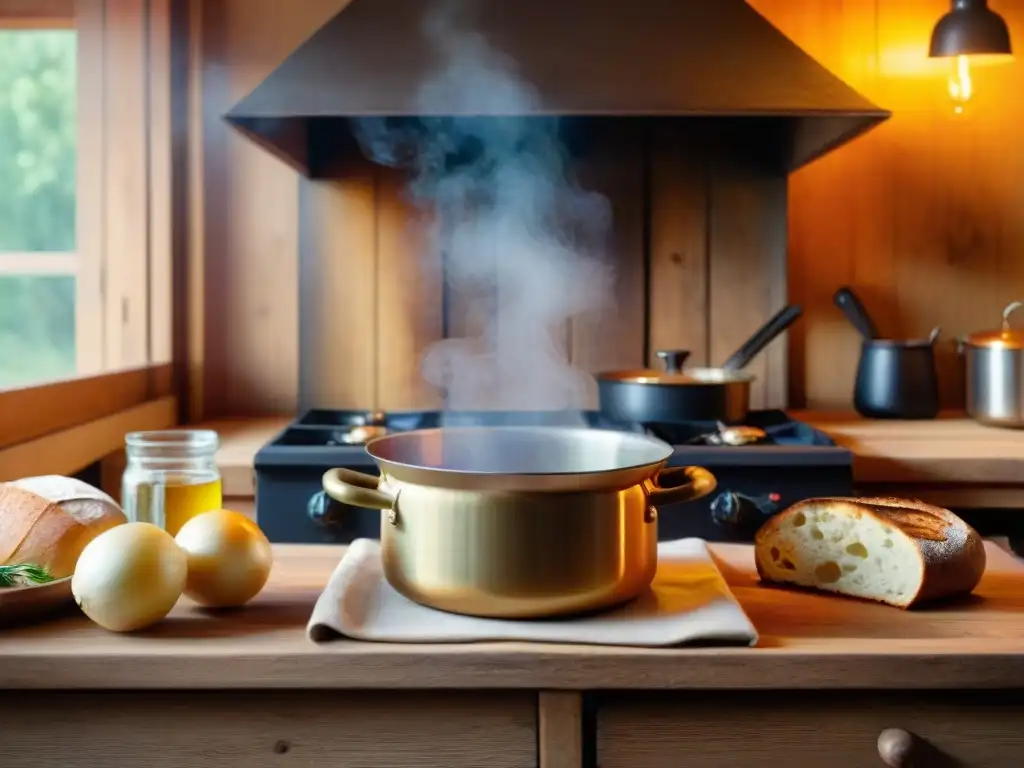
(172, 443)
(1004, 338)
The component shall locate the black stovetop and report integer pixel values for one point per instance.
(403, 421)
(794, 462)
(318, 437)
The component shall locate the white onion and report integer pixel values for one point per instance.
(129, 577)
(229, 558)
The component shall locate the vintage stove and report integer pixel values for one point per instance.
(771, 464)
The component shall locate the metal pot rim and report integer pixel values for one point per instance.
(898, 343)
(650, 455)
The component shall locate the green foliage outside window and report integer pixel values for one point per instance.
(37, 201)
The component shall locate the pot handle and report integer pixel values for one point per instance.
(1010, 308)
(357, 489)
(699, 483)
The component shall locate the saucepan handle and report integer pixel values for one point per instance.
(699, 482)
(1010, 308)
(357, 489)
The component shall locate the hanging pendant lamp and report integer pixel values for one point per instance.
(970, 28)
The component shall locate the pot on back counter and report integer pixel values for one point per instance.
(680, 395)
(995, 373)
(896, 378)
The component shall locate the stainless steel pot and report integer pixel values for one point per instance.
(995, 373)
(519, 521)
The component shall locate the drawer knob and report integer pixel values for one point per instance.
(896, 748)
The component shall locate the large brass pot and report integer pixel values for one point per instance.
(517, 522)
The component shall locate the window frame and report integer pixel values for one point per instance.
(126, 206)
(37, 14)
(42, 263)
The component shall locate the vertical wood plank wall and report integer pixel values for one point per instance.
(373, 297)
(250, 237)
(124, 206)
(922, 216)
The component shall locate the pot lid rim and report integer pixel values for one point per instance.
(664, 453)
(688, 377)
(1012, 338)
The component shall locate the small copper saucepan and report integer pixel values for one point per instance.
(517, 522)
(680, 394)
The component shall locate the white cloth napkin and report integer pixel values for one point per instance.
(689, 602)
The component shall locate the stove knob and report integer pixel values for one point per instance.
(732, 509)
(727, 507)
(323, 510)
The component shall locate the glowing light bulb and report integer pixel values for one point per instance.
(960, 86)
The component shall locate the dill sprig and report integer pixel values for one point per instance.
(23, 574)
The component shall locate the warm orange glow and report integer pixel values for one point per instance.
(960, 85)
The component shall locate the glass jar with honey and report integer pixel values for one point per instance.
(170, 477)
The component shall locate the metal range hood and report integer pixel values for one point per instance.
(712, 60)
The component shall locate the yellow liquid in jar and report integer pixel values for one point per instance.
(173, 502)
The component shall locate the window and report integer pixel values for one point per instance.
(85, 188)
(87, 212)
(38, 263)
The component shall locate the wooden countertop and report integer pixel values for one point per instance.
(807, 641)
(240, 441)
(949, 450)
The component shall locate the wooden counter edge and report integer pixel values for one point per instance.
(892, 457)
(353, 666)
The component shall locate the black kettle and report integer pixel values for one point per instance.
(896, 378)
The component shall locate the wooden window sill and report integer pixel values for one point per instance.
(31, 412)
(64, 426)
(70, 450)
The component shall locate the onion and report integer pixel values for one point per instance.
(129, 577)
(229, 558)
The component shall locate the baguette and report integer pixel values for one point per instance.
(48, 520)
(896, 551)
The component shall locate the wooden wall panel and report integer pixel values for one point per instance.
(371, 292)
(921, 216)
(410, 301)
(124, 183)
(678, 303)
(338, 285)
(164, 154)
(250, 238)
(747, 280)
(90, 224)
(613, 337)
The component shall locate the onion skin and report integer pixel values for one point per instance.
(229, 558)
(129, 577)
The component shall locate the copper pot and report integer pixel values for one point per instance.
(680, 394)
(517, 522)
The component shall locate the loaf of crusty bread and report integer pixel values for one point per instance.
(897, 551)
(48, 520)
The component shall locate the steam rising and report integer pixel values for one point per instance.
(524, 244)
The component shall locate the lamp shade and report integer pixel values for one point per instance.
(970, 28)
